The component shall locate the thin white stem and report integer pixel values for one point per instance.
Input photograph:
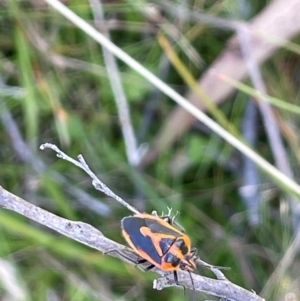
(271, 126)
(281, 178)
(113, 74)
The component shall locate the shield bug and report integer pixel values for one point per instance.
(158, 242)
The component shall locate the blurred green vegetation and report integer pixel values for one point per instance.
(54, 87)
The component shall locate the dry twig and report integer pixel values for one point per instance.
(90, 236)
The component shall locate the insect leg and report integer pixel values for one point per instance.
(122, 255)
(150, 267)
(176, 278)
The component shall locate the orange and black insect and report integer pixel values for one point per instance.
(158, 242)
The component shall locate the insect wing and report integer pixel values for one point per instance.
(162, 233)
(161, 242)
(158, 225)
(142, 244)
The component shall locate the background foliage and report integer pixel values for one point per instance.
(54, 88)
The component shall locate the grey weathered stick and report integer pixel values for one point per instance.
(90, 236)
(96, 182)
(220, 288)
(79, 231)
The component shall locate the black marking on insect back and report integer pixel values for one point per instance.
(131, 226)
(165, 244)
(180, 243)
(157, 227)
(171, 258)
